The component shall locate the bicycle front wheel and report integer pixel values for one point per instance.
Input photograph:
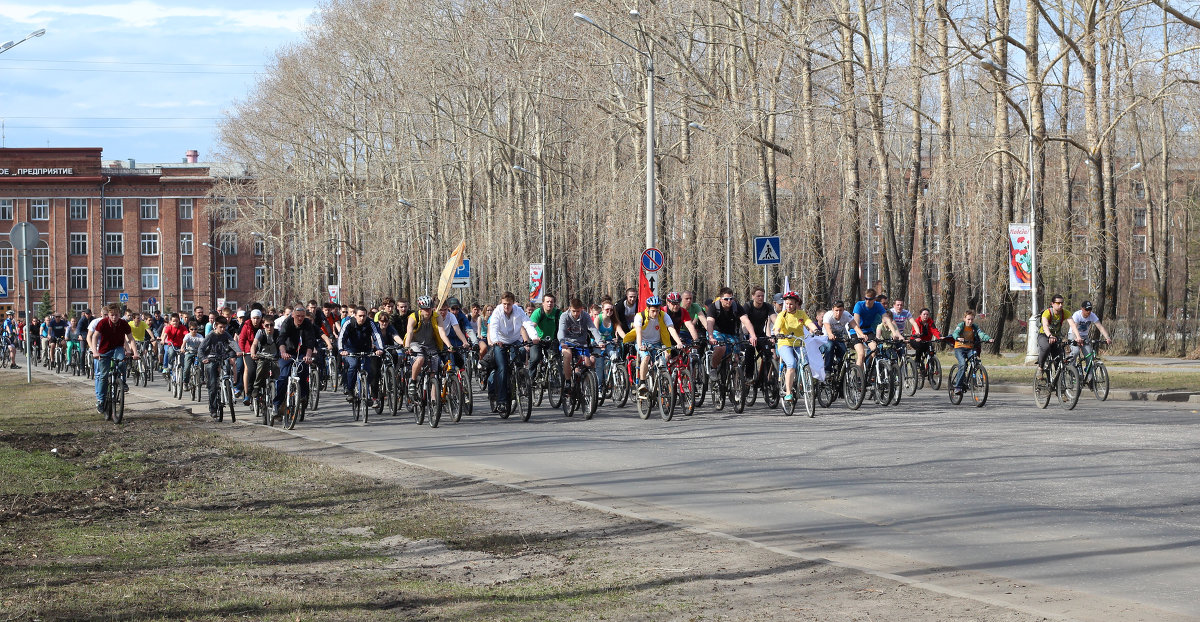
(525, 390)
(1042, 391)
(935, 371)
(739, 389)
(685, 391)
(955, 396)
(433, 388)
(665, 394)
(554, 383)
(117, 402)
(852, 386)
(806, 382)
(912, 377)
(771, 387)
(1100, 381)
(590, 392)
(228, 399)
(979, 385)
(1069, 387)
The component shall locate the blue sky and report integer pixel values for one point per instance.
(146, 80)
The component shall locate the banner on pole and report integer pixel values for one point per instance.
(537, 277)
(1020, 257)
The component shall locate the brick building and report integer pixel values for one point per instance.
(116, 227)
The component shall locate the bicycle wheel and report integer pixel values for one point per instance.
(934, 371)
(554, 383)
(979, 385)
(700, 381)
(117, 402)
(291, 411)
(468, 396)
(454, 403)
(898, 381)
(644, 397)
(263, 410)
(619, 378)
(590, 393)
(772, 388)
(955, 398)
(538, 380)
(525, 390)
(738, 388)
(883, 382)
(825, 392)
(314, 397)
(912, 377)
(685, 391)
(787, 402)
(1042, 388)
(433, 385)
(806, 383)
(1100, 381)
(228, 399)
(664, 394)
(395, 394)
(718, 390)
(421, 400)
(852, 386)
(1069, 387)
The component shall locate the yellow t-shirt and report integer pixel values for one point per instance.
(1056, 322)
(792, 323)
(138, 330)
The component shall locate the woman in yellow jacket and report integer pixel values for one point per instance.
(789, 328)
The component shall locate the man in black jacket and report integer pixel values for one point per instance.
(297, 338)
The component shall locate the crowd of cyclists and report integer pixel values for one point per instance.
(664, 354)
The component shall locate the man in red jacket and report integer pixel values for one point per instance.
(245, 340)
(172, 336)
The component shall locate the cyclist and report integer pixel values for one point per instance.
(545, 321)
(761, 317)
(110, 340)
(140, 330)
(923, 332)
(455, 323)
(297, 338)
(10, 334)
(625, 312)
(607, 326)
(247, 369)
(789, 326)
(1081, 323)
(681, 317)
(868, 314)
(901, 316)
(726, 320)
(696, 310)
(56, 333)
(967, 338)
(1051, 331)
(651, 327)
(574, 327)
(173, 335)
(357, 340)
(508, 325)
(839, 325)
(218, 347)
(426, 337)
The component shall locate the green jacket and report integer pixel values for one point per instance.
(546, 323)
(980, 336)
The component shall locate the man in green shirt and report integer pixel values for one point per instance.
(545, 322)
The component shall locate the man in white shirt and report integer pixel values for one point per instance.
(838, 322)
(508, 326)
(1081, 324)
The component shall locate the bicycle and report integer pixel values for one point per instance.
(360, 399)
(1092, 371)
(323, 362)
(5, 361)
(175, 375)
(225, 391)
(389, 387)
(731, 377)
(928, 367)
(802, 382)
(293, 406)
(890, 352)
(547, 376)
(844, 380)
(520, 390)
(976, 378)
(657, 384)
(584, 391)
(262, 388)
(456, 387)
(114, 391)
(1058, 376)
(428, 398)
(680, 371)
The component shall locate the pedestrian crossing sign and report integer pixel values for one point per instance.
(766, 250)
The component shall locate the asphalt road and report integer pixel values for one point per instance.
(1042, 509)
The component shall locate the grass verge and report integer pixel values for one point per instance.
(159, 519)
(1013, 371)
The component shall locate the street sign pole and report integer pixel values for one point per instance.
(28, 330)
(23, 237)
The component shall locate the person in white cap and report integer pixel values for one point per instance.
(247, 366)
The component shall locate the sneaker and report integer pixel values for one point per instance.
(789, 397)
(100, 407)
(958, 390)
(278, 416)
(246, 402)
(237, 392)
(124, 386)
(212, 413)
(15, 366)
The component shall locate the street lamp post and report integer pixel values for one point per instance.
(646, 55)
(728, 209)
(8, 45)
(542, 208)
(224, 289)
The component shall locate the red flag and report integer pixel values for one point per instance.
(644, 290)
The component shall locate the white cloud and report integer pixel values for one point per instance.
(147, 14)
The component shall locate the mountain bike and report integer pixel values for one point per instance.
(547, 375)
(225, 390)
(657, 385)
(293, 406)
(844, 380)
(263, 389)
(113, 388)
(618, 384)
(456, 389)
(731, 385)
(1092, 371)
(1058, 376)
(975, 378)
(680, 371)
(582, 392)
(428, 397)
(520, 389)
(803, 382)
(888, 352)
(928, 367)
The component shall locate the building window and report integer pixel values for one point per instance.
(78, 307)
(6, 263)
(187, 306)
(150, 277)
(231, 304)
(114, 244)
(39, 209)
(1139, 270)
(228, 243)
(185, 244)
(1139, 190)
(185, 209)
(1139, 244)
(229, 277)
(149, 209)
(149, 244)
(227, 211)
(260, 277)
(260, 246)
(114, 278)
(1139, 217)
(6, 209)
(185, 277)
(41, 267)
(114, 209)
(79, 278)
(79, 209)
(78, 243)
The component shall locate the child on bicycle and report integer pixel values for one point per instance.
(967, 339)
(789, 327)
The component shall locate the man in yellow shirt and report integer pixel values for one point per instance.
(139, 329)
(789, 328)
(1051, 331)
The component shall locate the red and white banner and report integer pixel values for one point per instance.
(537, 282)
(1020, 257)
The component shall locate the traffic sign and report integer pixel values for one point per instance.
(462, 276)
(124, 297)
(652, 260)
(152, 301)
(3, 287)
(24, 236)
(652, 281)
(766, 250)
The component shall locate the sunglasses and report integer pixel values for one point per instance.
(726, 299)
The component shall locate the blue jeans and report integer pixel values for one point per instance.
(285, 369)
(833, 350)
(354, 362)
(169, 352)
(961, 355)
(501, 357)
(101, 364)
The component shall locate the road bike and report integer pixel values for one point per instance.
(975, 380)
(1057, 376)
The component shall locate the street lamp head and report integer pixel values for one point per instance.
(584, 18)
(6, 45)
(1135, 167)
(521, 169)
(989, 65)
(634, 15)
(405, 203)
(37, 33)
(696, 126)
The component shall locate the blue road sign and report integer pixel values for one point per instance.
(124, 297)
(152, 301)
(3, 287)
(463, 271)
(652, 260)
(766, 250)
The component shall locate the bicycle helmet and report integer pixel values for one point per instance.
(674, 297)
(793, 296)
(654, 301)
(425, 302)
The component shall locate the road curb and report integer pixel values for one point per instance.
(1126, 395)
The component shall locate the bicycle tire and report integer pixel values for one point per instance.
(852, 386)
(665, 394)
(433, 416)
(643, 401)
(291, 412)
(454, 398)
(718, 390)
(700, 380)
(772, 389)
(590, 392)
(810, 402)
(1100, 381)
(1042, 388)
(468, 397)
(554, 383)
(912, 377)
(228, 391)
(620, 385)
(538, 378)
(314, 397)
(979, 385)
(898, 381)
(118, 403)
(935, 372)
(883, 382)
(1069, 387)
(955, 398)
(685, 389)
(788, 406)
(738, 389)
(525, 387)
(264, 412)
